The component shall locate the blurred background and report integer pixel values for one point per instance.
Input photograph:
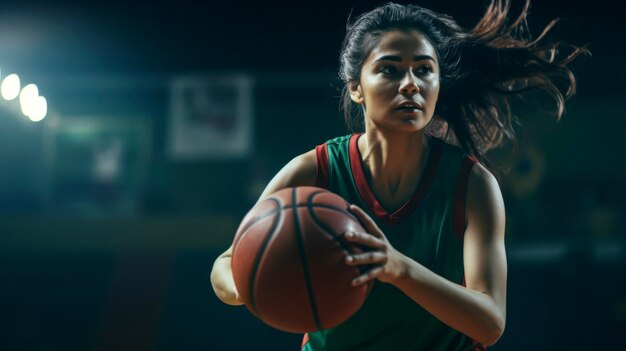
(134, 136)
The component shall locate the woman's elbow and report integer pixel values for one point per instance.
(494, 333)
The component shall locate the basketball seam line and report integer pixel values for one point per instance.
(325, 228)
(361, 269)
(257, 262)
(303, 261)
(335, 237)
(279, 209)
(331, 232)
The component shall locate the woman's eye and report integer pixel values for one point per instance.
(388, 69)
(425, 69)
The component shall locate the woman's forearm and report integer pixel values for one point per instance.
(471, 312)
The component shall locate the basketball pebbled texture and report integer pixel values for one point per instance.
(288, 260)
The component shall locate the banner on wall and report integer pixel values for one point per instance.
(210, 117)
(96, 166)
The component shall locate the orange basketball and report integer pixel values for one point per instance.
(288, 260)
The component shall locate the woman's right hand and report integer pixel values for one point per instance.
(222, 279)
(237, 296)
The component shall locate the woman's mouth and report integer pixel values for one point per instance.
(409, 106)
(408, 109)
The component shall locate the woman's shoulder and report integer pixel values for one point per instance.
(476, 170)
(450, 153)
(304, 163)
(300, 171)
(340, 139)
(449, 146)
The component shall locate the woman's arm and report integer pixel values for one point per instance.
(478, 310)
(298, 172)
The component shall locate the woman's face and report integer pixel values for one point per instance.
(399, 82)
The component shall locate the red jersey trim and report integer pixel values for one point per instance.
(370, 200)
(478, 346)
(305, 340)
(321, 166)
(460, 193)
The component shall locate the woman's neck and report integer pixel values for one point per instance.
(393, 162)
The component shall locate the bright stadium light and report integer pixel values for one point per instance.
(28, 99)
(39, 110)
(10, 87)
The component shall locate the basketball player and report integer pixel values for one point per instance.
(431, 98)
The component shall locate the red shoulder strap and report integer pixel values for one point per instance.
(321, 166)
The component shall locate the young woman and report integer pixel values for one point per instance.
(432, 98)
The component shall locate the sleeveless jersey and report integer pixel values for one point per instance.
(428, 228)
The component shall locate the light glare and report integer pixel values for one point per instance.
(10, 87)
(28, 99)
(40, 109)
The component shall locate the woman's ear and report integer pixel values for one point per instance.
(355, 92)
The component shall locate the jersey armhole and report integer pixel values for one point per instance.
(321, 166)
(460, 194)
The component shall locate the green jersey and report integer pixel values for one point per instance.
(428, 228)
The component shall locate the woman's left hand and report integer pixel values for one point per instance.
(387, 264)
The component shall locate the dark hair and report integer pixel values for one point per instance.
(481, 70)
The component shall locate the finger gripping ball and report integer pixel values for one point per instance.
(288, 260)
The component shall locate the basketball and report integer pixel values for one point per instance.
(288, 260)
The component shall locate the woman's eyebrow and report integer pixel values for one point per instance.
(399, 59)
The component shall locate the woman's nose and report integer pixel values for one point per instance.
(408, 86)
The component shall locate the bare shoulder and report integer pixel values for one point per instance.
(482, 179)
(484, 206)
(300, 171)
